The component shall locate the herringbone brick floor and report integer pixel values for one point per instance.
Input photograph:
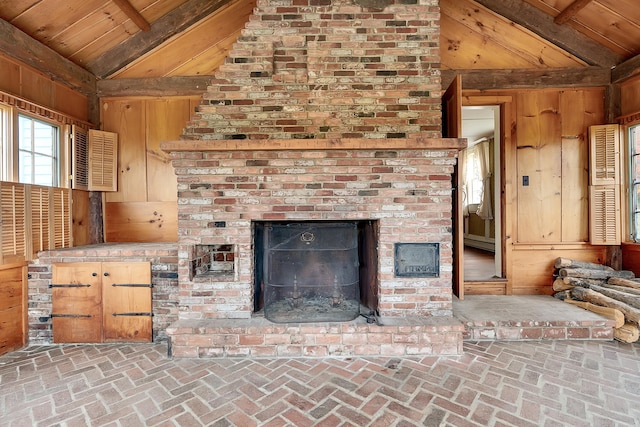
(548, 383)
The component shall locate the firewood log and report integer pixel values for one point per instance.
(631, 314)
(595, 274)
(572, 263)
(562, 295)
(624, 282)
(609, 313)
(560, 285)
(629, 299)
(585, 283)
(627, 333)
(622, 289)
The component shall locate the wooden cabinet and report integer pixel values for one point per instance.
(101, 302)
(13, 306)
(126, 301)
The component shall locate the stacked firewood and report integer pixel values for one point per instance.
(595, 287)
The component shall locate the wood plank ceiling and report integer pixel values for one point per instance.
(614, 24)
(123, 39)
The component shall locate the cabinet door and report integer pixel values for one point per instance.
(126, 296)
(12, 308)
(76, 297)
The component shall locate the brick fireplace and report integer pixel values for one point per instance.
(326, 111)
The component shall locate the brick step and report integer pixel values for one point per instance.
(258, 337)
(528, 317)
(510, 330)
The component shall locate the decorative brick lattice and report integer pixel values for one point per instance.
(212, 259)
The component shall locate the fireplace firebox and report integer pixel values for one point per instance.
(308, 271)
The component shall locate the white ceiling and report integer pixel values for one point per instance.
(478, 122)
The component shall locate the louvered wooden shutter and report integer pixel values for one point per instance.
(40, 224)
(604, 190)
(103, 160)
(604, 162)
(605, 214)
(33, 218)
(61, 218)
(13, 221)
(80, 161)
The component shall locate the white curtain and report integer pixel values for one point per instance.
(462, 179)
(484, 208)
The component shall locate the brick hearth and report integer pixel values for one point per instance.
(258, 337)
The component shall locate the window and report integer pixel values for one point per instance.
(634, 180)
(38, 152)
(32, 148)
(476, 175)
(35, 200)
(474, 181)
(5, 140)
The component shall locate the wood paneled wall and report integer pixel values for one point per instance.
(552, 154)
(80, 218)
(551, 149)
(630, 96)
(545, 144)
(25, 82)
(144, 209)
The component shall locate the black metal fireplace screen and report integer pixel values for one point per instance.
(309, 271)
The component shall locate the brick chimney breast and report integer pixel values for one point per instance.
(328, 69)
(326, 111)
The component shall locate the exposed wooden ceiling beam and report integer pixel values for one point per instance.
(629, 68)
(564, 36)
(20, 46)
(471, 80)
(133, 14)
(154, 86)
(529, 78)
(164, 28)
(570, 11)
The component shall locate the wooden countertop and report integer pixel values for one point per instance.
(11, 265)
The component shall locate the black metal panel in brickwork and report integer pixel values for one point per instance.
(417, 259)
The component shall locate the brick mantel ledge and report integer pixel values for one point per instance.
(315, 144)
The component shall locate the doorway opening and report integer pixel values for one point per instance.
(481, 197)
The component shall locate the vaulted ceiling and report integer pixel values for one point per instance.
(123, 39)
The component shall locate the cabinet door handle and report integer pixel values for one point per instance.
(133, 285)
(70, 316)
(106, 274)
(72, 285)
(132, 314)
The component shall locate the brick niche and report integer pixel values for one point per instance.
(325, 110)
